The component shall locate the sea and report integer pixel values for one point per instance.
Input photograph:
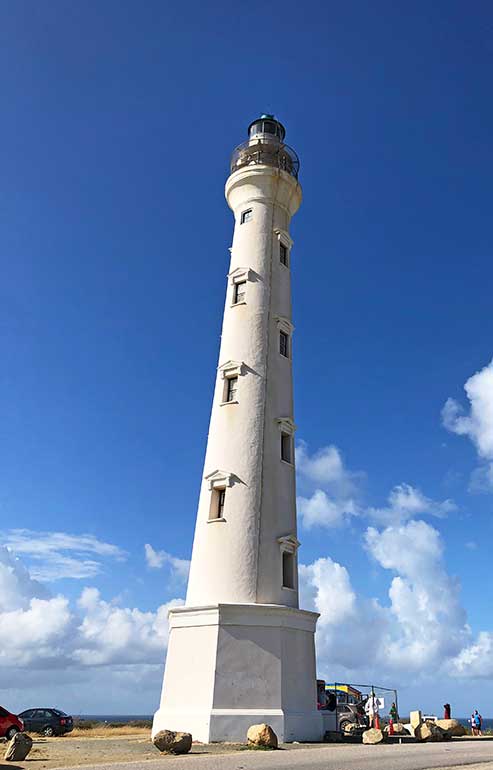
(123, 718)
(487, 723)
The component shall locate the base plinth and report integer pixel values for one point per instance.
(233, 665)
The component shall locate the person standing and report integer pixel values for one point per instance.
(478, 722)
(371, 710)
(393, 713)
(446, 711)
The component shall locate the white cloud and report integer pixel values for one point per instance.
(477, 425)
(334, 504)
(336, 497)
(320, 510)
(110, 634)
(405, 502)
(326, 468)
(41, 631)
(421, 632)
(476, 660)
(55, 555)
(158, 559)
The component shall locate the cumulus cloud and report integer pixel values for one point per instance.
(405, 501)
(112, 634)
(335, 497)
(476, 660)
(425, 600)
(422, 629)
(338, 492)
(477, 425)
(42, 631)
(158, 559)
(55, 555)
(320, 510)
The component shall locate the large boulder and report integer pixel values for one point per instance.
(399, 729)
(451, 727)
(172, 743)
(415, 719)
(18, 748)
(429, 732)
(262, 735)
(373, 736)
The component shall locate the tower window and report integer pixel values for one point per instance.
(217, 504)
(283, 254)
(231, 388)
(284, 344)
(246, 216)
(286, 447)
(239, 292)
(287, 570)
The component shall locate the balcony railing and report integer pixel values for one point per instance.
(264, 153)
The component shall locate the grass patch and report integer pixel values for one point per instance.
(90, 729)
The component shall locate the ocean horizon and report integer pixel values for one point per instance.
(123, 718)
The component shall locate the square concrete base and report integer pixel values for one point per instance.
(233, 665)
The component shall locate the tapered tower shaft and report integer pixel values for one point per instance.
(245, 538)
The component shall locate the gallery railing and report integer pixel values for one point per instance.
(266, 153)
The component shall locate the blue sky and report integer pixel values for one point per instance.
(118, 122)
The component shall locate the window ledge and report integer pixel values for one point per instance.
(287, 462)
(286, 267)
(235, 304)
(286, 588)
(227, 403)
(213, 521)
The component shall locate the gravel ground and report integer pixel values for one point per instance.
(133, 753)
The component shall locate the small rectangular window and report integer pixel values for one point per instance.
(283, 254)
(246, 216)
(286, 447)
(284, 344)
(221, 499)
(217, 504)
(287, 570)
(239, 292)
(231, 388)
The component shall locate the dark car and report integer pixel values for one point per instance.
(47, 721)
(10, 724)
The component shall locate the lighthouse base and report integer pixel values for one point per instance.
(230, 666)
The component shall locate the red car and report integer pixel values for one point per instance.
(9, 724)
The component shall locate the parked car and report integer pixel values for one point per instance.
(47, 721)
(10, 724)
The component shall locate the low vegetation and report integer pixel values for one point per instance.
(89, 729)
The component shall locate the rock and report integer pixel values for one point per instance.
(262, 735)
(429, 732)
(451, 726)
(415, 719)
(172, 743)
(18, 748)
(399, 729)
(373, 736)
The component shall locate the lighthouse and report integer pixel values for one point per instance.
(240, 650)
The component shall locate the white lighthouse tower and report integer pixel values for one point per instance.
(241, 651)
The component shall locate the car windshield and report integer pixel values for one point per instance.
(59, 713)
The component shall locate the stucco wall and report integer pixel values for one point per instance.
(239, 559)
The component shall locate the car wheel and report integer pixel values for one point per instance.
(11, 732)
(343, 724)
(48, 731)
